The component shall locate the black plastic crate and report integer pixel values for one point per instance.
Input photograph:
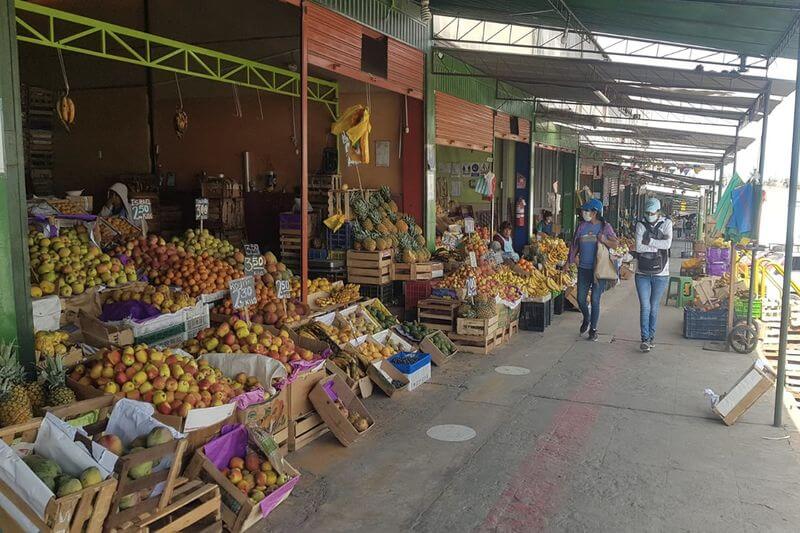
(558, 304)
(340, 240)
(384, 293)
(533, 316)
(705, 325)
(550, 311)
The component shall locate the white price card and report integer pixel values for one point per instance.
(472, 287)
(254, 264)
(469, 225)
(473, 261)
(243, 292)
(141, 209)
(283, 289)
(201, 209)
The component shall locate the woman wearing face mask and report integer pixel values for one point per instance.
(592, 229)
(653, 241)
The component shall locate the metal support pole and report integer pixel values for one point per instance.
(304, 155)
(735, 150)
(714, 189)
(759, 178)
(787, 259)
(721, 182)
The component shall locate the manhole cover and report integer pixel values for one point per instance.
(451, 433)
(512, 370)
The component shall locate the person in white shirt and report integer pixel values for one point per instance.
(653, 241)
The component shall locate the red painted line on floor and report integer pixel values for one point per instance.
(532, 495)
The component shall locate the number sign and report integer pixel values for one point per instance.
(472, 288)
(253, 261)
(201, 209)
(243, 292)
(141, 209)
(473, 261)
(469, 225)
(283, 289)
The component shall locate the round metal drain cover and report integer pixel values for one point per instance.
(512, 370)
(451, 433)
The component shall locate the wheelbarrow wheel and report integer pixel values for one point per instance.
(743, 337)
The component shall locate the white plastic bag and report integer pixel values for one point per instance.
(46, 313)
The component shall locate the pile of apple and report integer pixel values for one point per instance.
(268, 309)
(485, 280)
(235, 336)
(254, 476)
(174, 384)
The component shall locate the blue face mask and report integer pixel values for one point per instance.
(651, 217)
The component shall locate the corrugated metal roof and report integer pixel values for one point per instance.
(754, 27)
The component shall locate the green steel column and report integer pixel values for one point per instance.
(16, 319)
(429, 162)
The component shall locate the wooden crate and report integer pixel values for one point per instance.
(415, 271)
(85, 510)
(480, 327)
(478, 344)
(220, 187)
(304, 431)
(239, 512)
(437, 356)
(225, 214)
(339, 201)
(437, 313)
(370, 268)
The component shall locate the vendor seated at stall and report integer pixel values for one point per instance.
(503, 236)
(545, 225)
(118, 204)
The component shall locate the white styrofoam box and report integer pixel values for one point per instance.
(419, 376)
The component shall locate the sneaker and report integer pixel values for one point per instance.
(584, 326)
(645, 346)
(651, 343)
(593, 335)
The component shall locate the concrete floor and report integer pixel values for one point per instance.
(597, 437)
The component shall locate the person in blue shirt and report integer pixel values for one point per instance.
(545, 225)
(592, 229)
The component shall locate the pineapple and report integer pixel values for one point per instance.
(55, 376)
(36, 395)
(401, 225)
(369, 243)
(15, 407)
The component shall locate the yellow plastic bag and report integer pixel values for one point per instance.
(354, 126)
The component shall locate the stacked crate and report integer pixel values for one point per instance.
(225, 204)
(318, 187)
(37, 120)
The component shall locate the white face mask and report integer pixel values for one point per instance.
(587, 215)
(651, 218)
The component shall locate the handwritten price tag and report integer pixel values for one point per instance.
(201, 209)
(472, 287)
(243, 292)
(473, 261)
(253, 261)
(283, 289)
(141, 209)
(469, 225)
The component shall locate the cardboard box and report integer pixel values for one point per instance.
(324, 395)
(270, 415)
(101, 335)
(362, 387)
(750, 387)
(297, 392)
(384, 374)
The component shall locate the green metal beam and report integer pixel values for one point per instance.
(45, 26)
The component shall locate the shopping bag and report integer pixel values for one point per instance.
(604, 267)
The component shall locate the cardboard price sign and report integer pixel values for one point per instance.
(141, 209)
(472, 287)
(469, 225)
(243, 292)
(254, 264)
(283, 289)
(201, 209)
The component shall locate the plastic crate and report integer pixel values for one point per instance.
(717, 269)
(337, 255)
(317, 253)
(198, 318)
(422, 360)
(341, 239)
(705, 325)
(740, 307)
(718, 255)
(384, 293)
(550, 311)
(558, 304)
(533, 316)
(414, 291)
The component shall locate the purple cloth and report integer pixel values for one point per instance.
(116, 311)
(85, 218)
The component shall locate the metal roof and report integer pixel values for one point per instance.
(751, 27)
(725, 95)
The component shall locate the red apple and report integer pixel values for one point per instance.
(171, 384)
(164, 408)
(128, 359)
(111, 443)
(113, 357)
(120, 367)
(120, 378)
(159, 383)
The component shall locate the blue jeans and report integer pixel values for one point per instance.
(650, 290)
(586, 281)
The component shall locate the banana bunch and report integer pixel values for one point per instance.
(555, 249)
(349, 293)
(65, 109)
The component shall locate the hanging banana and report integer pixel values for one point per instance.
(181, 122)
(65, 109)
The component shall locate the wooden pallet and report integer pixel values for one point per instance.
(369, 268)
(478, 344)
(416, 271)
(437, 313)
(479, 327)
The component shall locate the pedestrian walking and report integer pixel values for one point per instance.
(653, 241)
(592, 229)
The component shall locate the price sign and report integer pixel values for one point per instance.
(201, 209)
(450, 240)
(472, 287)
(141, 209)
(469, 225)
(243, 292)
(253, 261)
(473, 261)
(283, 289)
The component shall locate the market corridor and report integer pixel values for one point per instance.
(597, 437)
